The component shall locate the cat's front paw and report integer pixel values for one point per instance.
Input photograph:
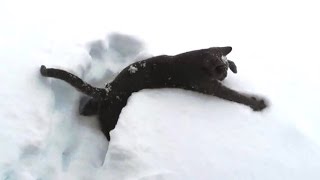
(258, 104)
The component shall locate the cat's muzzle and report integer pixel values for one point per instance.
(221, 71)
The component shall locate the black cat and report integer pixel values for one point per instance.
(199, 70)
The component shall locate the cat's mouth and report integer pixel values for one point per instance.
(222, 77)
(218, 75)
(221, 72)
(218, 72)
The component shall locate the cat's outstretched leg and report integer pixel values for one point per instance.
(216, 88)
(254, 102)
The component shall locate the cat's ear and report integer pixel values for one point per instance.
(225, 50)
(232, 66)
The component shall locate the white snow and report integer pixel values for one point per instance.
(224, 59)
(132, 69)
(162, 133)
(108, 88)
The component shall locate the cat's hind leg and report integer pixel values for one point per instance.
(88, 106)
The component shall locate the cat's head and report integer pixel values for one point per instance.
(217, 63)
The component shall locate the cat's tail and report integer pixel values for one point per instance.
(75, 81)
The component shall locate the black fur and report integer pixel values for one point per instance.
(199, 70)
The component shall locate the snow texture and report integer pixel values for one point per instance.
(132, 69)
(161, 133)
(224, 59)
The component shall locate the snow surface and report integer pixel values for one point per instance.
(165, 133)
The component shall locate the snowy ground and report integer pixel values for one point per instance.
(167, 133)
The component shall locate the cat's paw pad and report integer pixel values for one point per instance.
(259, 104)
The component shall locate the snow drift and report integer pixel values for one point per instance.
(161, 134)
(165, 133)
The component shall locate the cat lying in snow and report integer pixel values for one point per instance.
(200, 70)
